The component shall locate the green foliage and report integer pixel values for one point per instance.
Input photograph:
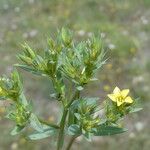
(42, 135)
(17, 129)
(80, 61)
(114, 114)
(84, 111)
(11, 88)
(19, 113)
(74, 129)
(103, 130)
(63, 62)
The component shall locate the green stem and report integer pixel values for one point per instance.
(76, 95)
(71, 142)
(61, 132)
(63, 121)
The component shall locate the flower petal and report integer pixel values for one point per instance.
(112, 97)
(125, 92)
(119, 103)
(116, 90)
(129, 100)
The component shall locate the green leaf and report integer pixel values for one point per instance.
(35, 123)
(136, 106)
(50, 43)
(85, 101)
(23, 99)
(17, 130)
(103, 130)
(77, 115)
(41, 135)
(75, 104)
(74, 129)
(88, 136)
(28, 51)
(29, 69)
(25, 59)
(91, 100)
(66, 36)
(133, 110)
(70, 117)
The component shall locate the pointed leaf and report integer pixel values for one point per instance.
(29, 69)
(17, 130)
(133, 110)
(41, 135)
(103, 130)
(74, 129)
(35, 123)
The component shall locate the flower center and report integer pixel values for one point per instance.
(120, 98)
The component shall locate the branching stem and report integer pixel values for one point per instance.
(61, 132)
(63, 121)
(71, 142)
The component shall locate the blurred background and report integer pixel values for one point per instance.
(125, 29)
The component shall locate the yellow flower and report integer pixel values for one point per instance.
(120, 97)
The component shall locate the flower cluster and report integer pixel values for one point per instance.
(10, 88)
(85, 119)
(120, 105)
(19, 114)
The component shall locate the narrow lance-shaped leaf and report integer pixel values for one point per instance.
(17, 130)
(42, 135)
(35, 123)
(103, 130)
(74, 129)
(30, 69)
